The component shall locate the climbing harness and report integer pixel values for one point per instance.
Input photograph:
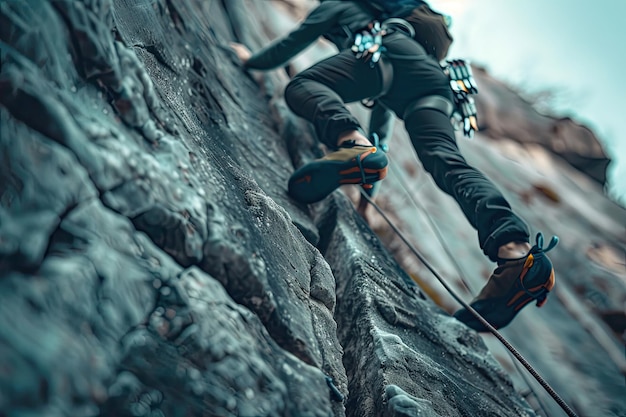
(484, 322)
(395, 24)
(368, 43)
(463, 87)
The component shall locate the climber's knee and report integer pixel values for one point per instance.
(433, 102)
(292, 93)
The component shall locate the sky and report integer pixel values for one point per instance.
(575, 48)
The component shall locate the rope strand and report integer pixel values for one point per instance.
(484, 322)
(459, 271)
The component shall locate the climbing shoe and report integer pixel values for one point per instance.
(350, 164)
(514, 284)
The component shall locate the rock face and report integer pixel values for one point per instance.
(504, 114)
(152, 264)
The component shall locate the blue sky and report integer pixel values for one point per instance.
(575, 47)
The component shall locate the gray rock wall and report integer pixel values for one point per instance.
(151, 263)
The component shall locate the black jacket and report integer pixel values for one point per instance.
(336, 20)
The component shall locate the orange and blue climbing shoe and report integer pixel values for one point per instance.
(514, 284)
(350, 164)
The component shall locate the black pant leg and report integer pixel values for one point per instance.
(319, 94)
(482, 203)
(416, 75)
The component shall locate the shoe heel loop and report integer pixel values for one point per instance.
(375, 139)
(539, 244)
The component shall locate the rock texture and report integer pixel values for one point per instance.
(152, 264)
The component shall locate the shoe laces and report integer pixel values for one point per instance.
(351, 143)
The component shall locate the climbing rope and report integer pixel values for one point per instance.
(432, 224)
(530, 388)
(459, 270)
(484, 322)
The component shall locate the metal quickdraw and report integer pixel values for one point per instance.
(368, 43)
(463, 86)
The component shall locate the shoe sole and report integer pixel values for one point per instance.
(314, 181)
(518, 298)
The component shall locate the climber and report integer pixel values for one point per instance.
(397, 71)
